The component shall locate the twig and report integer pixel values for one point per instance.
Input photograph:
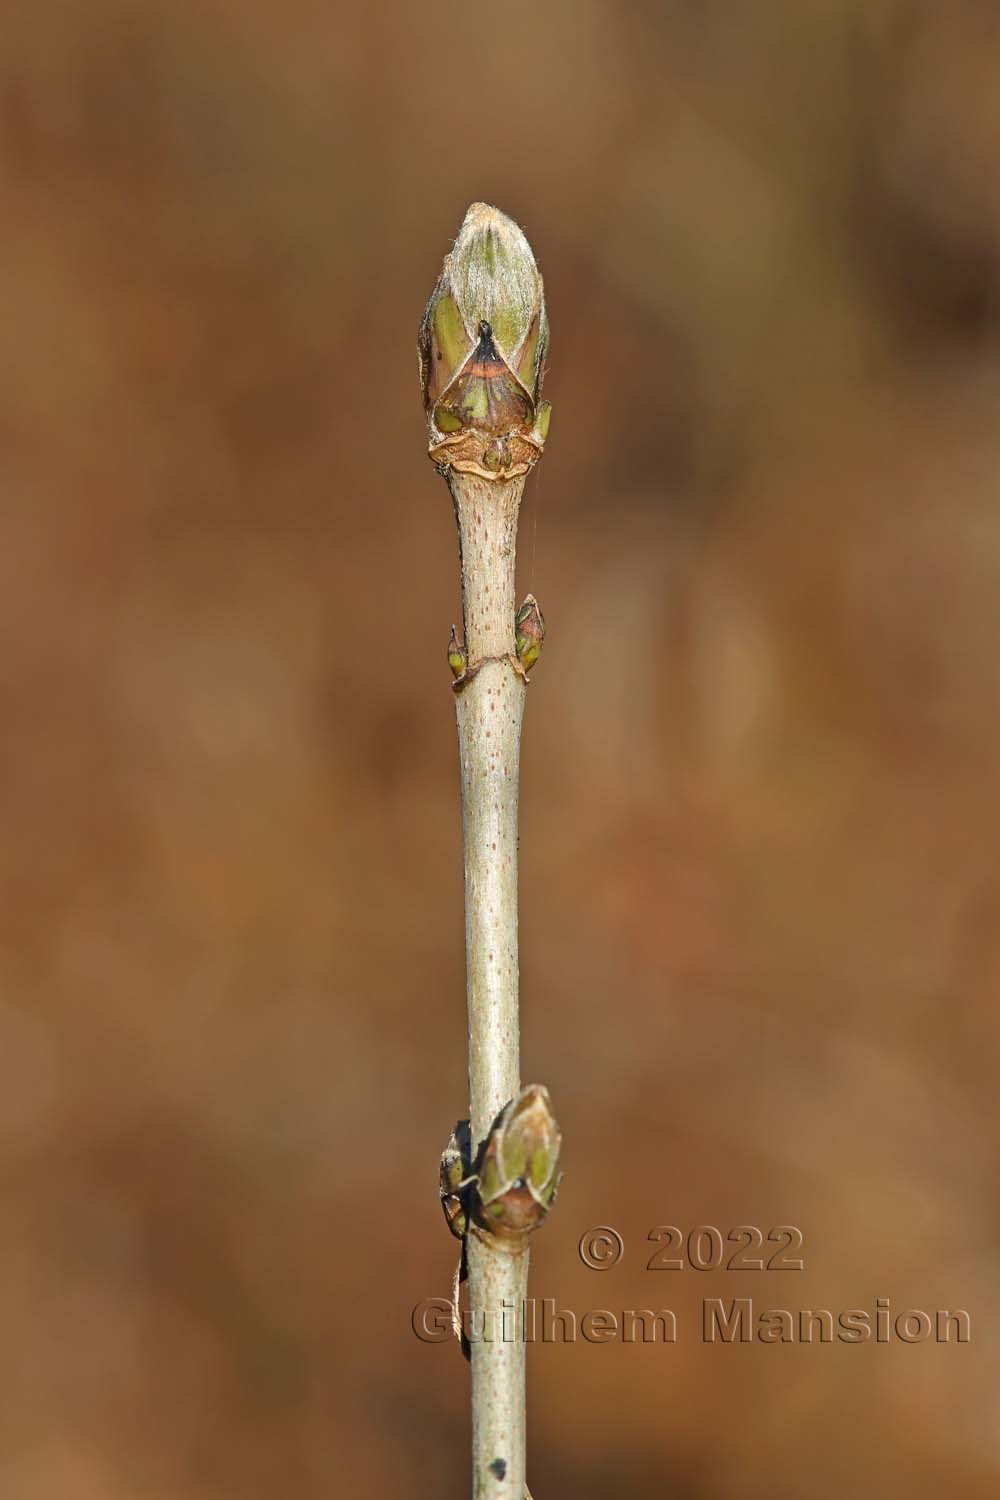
(490, 708)
(482, 351)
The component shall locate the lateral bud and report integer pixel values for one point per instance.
(519, 1172)
(457, 659)
(529, 632)
(456, 1179)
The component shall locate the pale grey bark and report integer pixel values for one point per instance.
(490, 705)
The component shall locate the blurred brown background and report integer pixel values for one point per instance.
(760, 946)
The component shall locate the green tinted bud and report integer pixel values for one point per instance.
(520, 1165)
(456, 654)
(482, 351)
(529, 632)
(455, 1179)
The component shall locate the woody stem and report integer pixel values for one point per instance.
(490, 705)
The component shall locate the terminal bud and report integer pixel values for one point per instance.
(482, 351)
